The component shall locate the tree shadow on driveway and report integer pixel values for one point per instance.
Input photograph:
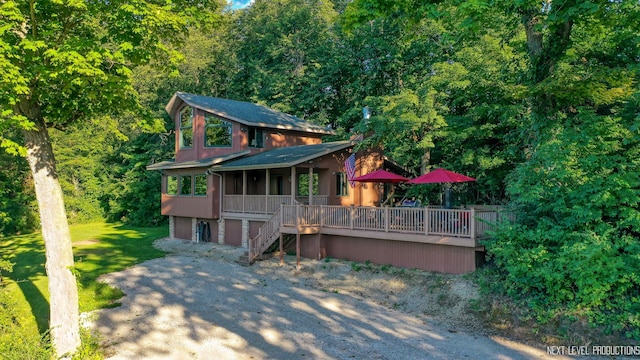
(192, 307)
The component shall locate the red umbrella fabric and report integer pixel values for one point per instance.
(381, 176)
(441, 176)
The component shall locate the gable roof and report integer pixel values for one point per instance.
(245, 113)
(283, 157)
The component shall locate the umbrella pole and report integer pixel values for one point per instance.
(447, 196)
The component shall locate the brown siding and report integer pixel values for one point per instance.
(233, 232)
(310, 247)
(183, 228)
(273, 138)
(254, 227)
(207, 207)
(430, 257)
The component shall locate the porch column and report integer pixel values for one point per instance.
(172, 227)
(221, 231)
(245, 233)
(194, 229)
(310, 186)
(266, 190)
(244, 188)
(293, 185)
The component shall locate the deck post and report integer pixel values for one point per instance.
(352, 214)
(321, 220)
(472, 223)
(280, 230)
(426, 220)
(244, 189)
(298, 236)
(266, 190)
(386, 218)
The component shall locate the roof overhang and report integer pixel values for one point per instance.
(169, 165)
(256, 164)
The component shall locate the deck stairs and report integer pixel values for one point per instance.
(268, 233)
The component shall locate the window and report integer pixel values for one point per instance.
(186, 127)
(200, 185)
(342, 185)
(185, 184)
(172, 185)
(217, 132)
(303, 184)
(256, 139)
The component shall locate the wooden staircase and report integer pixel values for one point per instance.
(268, 233)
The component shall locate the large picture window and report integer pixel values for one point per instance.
(185, 184)
(186, 127)
(200, 181)
(217, 132)
(342, 185)
(172, 185)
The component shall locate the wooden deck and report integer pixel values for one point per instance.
(427, 225)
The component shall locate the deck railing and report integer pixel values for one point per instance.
(466, 223)
(265, 204)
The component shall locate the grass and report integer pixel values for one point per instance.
(98, 248)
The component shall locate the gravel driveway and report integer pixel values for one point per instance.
(189, 306)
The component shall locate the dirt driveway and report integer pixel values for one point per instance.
(196, 303)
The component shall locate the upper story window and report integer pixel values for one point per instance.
(256, 138)
(186, 127)
(217, 132)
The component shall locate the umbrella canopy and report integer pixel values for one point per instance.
(381, 176)
(441, 176)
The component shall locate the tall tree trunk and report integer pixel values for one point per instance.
(63, 290)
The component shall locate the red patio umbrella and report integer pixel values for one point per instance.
(442, 176)
(381, 176)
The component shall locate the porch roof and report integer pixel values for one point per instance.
(283, 157)
(171, 164)
(246, 113)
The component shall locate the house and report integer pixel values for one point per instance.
(236, 162)
(247, 175)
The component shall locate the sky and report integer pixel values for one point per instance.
(239, 4)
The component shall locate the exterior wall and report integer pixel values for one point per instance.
(183, 227)
(207, 207)
(272, 138)
(233, 232)
(430, 257)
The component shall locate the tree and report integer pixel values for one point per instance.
(64, 61)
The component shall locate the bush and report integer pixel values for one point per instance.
(575, 250)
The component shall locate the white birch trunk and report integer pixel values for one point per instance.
(63, 290)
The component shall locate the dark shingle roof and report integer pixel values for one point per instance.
(247, 113)
(171, 164)
(283, 157)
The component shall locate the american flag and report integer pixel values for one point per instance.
(350, 168)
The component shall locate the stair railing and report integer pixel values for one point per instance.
(268, 233)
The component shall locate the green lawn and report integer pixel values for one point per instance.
(98, 248)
